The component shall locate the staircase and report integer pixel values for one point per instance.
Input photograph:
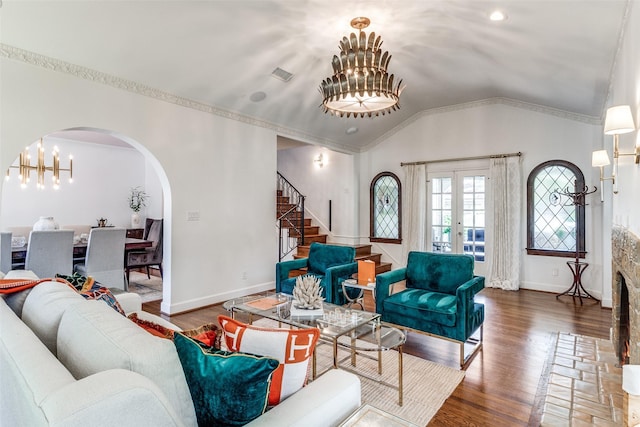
(312, 234)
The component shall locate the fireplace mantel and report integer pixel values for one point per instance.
(625, 248)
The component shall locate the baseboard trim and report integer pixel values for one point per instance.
(555, 289)
(181, 307)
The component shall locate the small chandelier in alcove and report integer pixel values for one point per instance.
(25, 168)
(360, 85)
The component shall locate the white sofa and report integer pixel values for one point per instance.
(66, 361)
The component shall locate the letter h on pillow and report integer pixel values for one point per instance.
(292, 348)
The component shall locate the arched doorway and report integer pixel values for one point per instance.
(106, 165)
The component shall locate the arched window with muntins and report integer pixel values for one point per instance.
(555, 226)
(385, 209)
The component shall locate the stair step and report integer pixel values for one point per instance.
(361, 249)
(284, 207)
(308, 230)
(282, 199)
(373, 257)
(299, 272)
(295, 215)
(383, 267)
(320, 238)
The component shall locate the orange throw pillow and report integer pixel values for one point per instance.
(292, 348)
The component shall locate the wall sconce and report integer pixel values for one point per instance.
(319, 161)
(600, 159)
(617, 122)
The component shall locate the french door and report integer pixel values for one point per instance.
(457, 222)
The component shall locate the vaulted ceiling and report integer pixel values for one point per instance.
(555, 54)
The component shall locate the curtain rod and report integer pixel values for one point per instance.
(457, 159)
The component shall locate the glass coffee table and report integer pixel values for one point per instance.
(355, 330)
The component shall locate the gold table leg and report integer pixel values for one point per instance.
(400, 375)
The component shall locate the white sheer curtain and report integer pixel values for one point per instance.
(506, 190)
(414, 208)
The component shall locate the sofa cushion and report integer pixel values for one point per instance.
(43, 308)
(28, 370)
(227, 388)
(323, 256)
(438, 272)
(93, 338)
(16, 300)
(433, 307)
(292, 348)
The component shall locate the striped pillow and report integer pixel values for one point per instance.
(292, 348)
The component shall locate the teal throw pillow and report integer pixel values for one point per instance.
(227, 388)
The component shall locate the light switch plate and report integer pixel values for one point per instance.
(193, 216)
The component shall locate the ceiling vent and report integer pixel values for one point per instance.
(281, 74)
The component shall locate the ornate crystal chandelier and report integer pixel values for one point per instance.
(360, 85)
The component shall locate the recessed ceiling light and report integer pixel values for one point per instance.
(351, 130)
(257, 96)
(497, 16)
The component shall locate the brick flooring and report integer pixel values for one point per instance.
(585, 384)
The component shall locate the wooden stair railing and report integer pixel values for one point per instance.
(289, 215)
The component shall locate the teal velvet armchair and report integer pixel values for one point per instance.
(328, 262)
(438, 299)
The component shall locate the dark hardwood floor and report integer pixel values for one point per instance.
(500, 385)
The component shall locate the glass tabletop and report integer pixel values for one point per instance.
(332, 320)
(372, 338)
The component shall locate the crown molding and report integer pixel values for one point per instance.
(616, 58)
(563, 114)
(53, 64)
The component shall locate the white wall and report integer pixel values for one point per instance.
(625, 89)
(103, 177)
(220, 168)
(335, 181)
(623, 208)
(493, 128)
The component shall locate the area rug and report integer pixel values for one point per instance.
(148, 289)
(426, 384)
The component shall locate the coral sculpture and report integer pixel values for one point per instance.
(307, 293)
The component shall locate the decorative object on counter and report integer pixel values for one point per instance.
(102, 222)
(18, 241)
(137, 200)
(45, 223)
(366, 272)
(307, 293)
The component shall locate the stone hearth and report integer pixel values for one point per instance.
(626, 272)
(626, 309)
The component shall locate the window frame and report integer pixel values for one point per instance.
(372, 212)
(580, 212)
